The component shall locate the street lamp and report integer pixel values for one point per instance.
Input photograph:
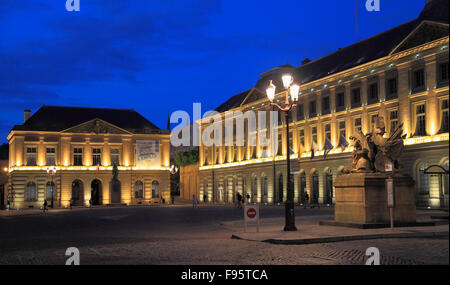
(52, 171)
(293, 91)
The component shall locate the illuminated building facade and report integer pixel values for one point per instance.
(84, 144)
(400, 74)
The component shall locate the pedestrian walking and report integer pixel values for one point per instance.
(71, 203)
(90, 203)
(45, 206)
(7, 205)
(205, 198)
(239, 200)
(194, 201)
(248, 198)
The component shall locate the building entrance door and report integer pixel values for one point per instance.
(96, 189)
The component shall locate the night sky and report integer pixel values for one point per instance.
(158, 56)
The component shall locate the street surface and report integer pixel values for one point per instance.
(179, 234)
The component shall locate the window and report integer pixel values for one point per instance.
(300, 112)
(31, 191)
(115, 156)
(418, 80)
(50, 156)
(340, 101)
(78, 156)
(357, 125)
(373, 92)
(302, 137)
(314, 134)
(96, 156)
(31, 156)
(328, 132)
(312, 109)
(391, 88)
(50, 190)
(342, 129)
(421, 122)
(155, 189)
(326, 105)
(373, 118)
(393, 118)
(443, 72)
(356, 97)
(139, 190)
(444, 117)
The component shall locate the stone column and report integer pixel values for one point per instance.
(87, 152)
(106, 155)
(41, 153)
(403, 99)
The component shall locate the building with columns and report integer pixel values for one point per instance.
(400, 75)
(83, 145)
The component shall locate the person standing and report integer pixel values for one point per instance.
(194, 201)
(306, 199)
(71, 203)
(205, 198)
(45, 206)
(240, 200)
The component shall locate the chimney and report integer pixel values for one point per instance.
(26, 115)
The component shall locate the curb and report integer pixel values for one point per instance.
(348, 238)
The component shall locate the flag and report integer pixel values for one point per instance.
(313, 149)
(328, 146)
(98, 167)
(343, 143)
(300, 150)
(291, 151)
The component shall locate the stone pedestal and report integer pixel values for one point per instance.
(361, 198)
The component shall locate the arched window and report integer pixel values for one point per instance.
(139, 190)
(424, 184)
(31, 191)
(315, 187)
(329, 186)
(264, 186)
(76, 190)
(155, 189)
(50, 190)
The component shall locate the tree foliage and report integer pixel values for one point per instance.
(187, 157)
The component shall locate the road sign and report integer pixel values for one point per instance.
(251, 214)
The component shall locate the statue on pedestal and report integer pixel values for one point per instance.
(375, 153)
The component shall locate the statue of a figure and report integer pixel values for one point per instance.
(115, 172)
(373, 152)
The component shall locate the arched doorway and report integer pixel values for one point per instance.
(50, 191)
(264, 191)
(315, 188)
(328, 186)
(96, 192)
(77, 193)
(254, 197)
(280, 189)
(302, 188)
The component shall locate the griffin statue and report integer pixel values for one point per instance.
(375, 153)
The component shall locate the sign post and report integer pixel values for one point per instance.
(390, 191)
(251, 214)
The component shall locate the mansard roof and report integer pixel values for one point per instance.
(57, 119)
(432, 22)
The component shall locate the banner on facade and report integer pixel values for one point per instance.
(148, 153)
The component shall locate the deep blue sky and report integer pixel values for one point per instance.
(158, 56)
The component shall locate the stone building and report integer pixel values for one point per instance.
(83, 145)
(400, 74)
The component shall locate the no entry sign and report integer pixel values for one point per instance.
(251, 214)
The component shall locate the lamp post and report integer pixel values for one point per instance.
(293, 91)
(52, 171)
